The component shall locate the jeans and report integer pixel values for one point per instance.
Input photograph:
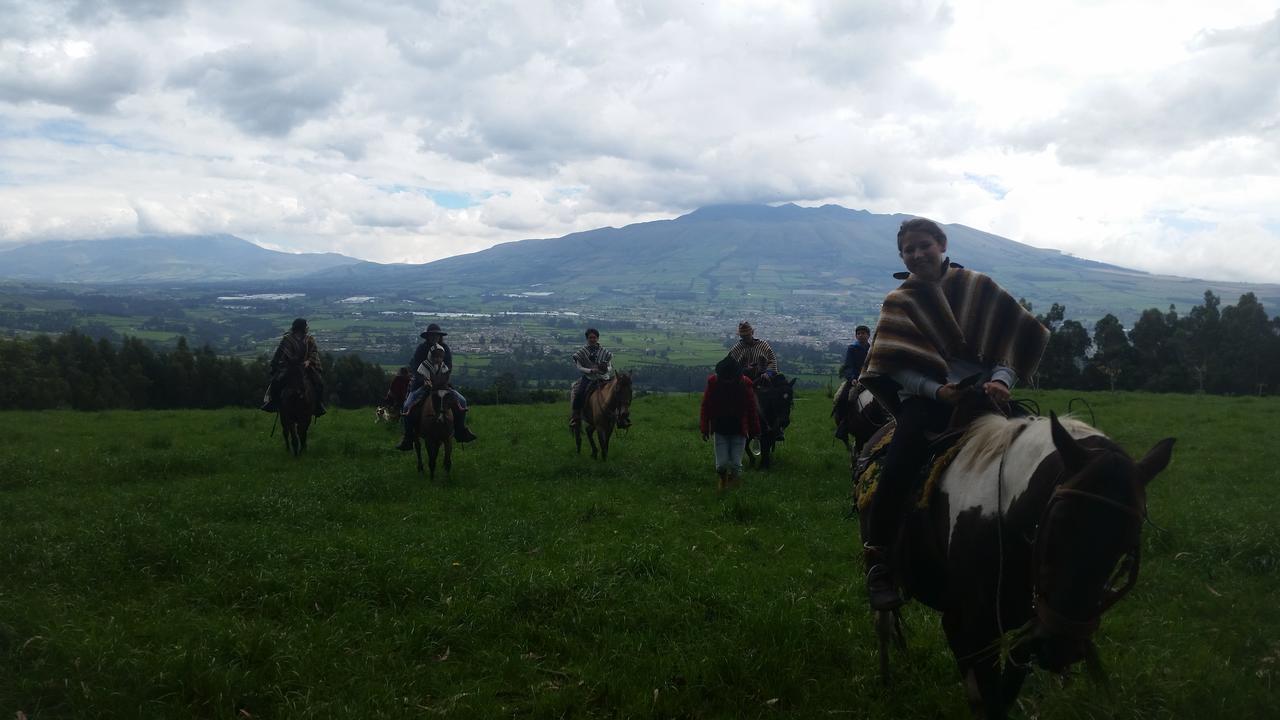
(729, 452)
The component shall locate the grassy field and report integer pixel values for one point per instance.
(178, 564)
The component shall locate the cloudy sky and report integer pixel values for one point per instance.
(1140, 133)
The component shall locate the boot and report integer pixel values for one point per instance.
(724, 479)
(842, 431)
(269, 406)
(882, 591)
(461, 432)
(406, 442)
(575, 417)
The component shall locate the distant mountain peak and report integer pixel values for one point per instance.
(758, 212)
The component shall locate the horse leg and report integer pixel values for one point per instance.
(591, 432)
(417, 450)
(605, 432)
(302, 439)
(433, 451)
(766, 451)
(448, 455)
(577, 436)
(977, 657)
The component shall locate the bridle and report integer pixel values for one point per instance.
(614, 405)
(1055, 623)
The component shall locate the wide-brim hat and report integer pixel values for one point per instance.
(432, 328)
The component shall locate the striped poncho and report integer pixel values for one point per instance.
(965, 315)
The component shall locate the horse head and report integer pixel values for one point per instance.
(776, 400)
(1088, 543)
(622, 393)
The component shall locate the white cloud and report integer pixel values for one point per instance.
(411, 131)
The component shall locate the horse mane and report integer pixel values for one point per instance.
(990, 436)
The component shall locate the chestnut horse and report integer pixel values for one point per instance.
(606, 408)
(1029, 535)
(435, 424)
(297, 403)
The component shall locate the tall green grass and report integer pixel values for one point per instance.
(180, 564)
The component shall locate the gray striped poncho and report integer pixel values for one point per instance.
(583, 357)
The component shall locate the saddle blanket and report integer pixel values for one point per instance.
(867, 472)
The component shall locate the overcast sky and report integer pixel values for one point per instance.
(1140, 133)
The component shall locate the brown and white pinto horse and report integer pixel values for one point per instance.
(1035, 527)
(609, 406)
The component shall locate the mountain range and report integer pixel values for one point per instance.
(720, 257)
(159, 259)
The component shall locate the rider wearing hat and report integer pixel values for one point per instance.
(751, 353)
(431, 337)
(297, 346)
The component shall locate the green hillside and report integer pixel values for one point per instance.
(178, 564)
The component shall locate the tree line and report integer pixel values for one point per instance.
(1233, 349)
(75, 371)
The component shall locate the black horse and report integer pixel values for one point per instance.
(1028, 536)
(775, 398)
(297, 403)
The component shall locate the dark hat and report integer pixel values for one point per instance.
(299, 325)
(432, 328)
(745, 327)
(728, 368)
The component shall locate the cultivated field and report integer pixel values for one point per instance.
(179, 564)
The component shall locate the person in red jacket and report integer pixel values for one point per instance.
(730, 413)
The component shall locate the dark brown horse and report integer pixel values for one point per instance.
(775, 399)
(863, 416)
(435, 425)
(606, 408)
(1031, 533)
(297, 403)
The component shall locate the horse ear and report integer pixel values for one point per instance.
(1073, 455)
(1156, 460)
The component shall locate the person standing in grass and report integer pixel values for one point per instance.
(730, 414)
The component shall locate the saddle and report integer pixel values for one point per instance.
(943, 449)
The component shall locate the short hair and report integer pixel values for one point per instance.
(299, 324)
(590, 332)
(862, 328)
(921, 225)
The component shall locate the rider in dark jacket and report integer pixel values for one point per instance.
(433, 335)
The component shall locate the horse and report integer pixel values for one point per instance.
(297, 403)
(863, 416)
(774, 399)
(1028, 536)
(435, 424)
(609, 406)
